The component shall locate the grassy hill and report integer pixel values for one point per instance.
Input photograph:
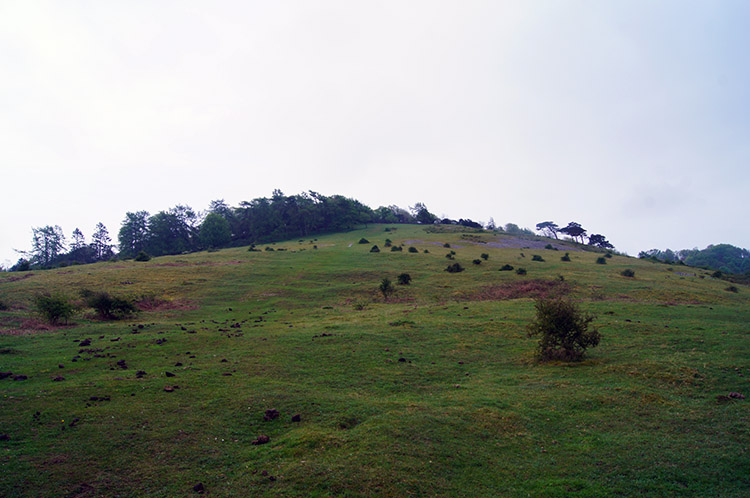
(433, 393)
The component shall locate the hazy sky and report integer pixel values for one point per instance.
(629, 117)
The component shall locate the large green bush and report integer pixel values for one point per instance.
(54, 308)
(563, 329)
(108, 307)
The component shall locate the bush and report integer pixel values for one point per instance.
(404, 279)
(732, 288)
(601, 261)
(446, 245)
(54, 309)
(521, 271)
(449, 255)
(426, 251)
(386, 288)
(3, 306)
(506, 268)
(537, 257)
(717, 274)
(485, 256)
(563, 328)
(142, 256)
(551, 247)
(477, 261)
(627, 273)
(608, 255)
(108, 307)
(363, 241)
(374, 249)
(454, 268)
(388, 242)
(565, 258)
(413, 249)
(269, 248)
(396, 248)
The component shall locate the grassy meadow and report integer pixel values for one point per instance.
(434, 392)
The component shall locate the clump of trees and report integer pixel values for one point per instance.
(563, 330)
(108, 307)
(575, 231)
(722, 257)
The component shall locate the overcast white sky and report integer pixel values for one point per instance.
(629, 117)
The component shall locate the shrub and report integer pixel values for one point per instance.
(521, 271)
(477, 261)
(732, 288)
(565, 258)
(426, 251)
(108, 307)
(564, 330)
(717, 274)
(386, 288)
(446, 245)
(485, 256)
(537, 257)
(627, 273)
(551, 247)
(363, 241)
(608, 255)
(269, 248)
(3, 306)
(396, 249)
(54, 309)
(404, 279)
(374, 249)
(449, 255)
(454, 268)
(142, 256)
(601, 261)
(506, 268)
(388, 242)
(413, 249)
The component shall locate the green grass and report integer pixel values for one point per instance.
(467, 413)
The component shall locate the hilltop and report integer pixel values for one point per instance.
(434, 392)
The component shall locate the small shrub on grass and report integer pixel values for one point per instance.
(601, 261)
(551, 247)
(521, 271)
(404, 279)
(142, 256)
(564, 330)
(537, 257)
(108, 307)
(485, 256)
(386, 288)
(3, 306)
(454, 268)
(363, 241)
(55, 309)
(388, 242)
(477, 261)
(269, 248)
(506, 268)
(426, 251)
(565, 258)
(413, 249)
(608, 255)
(732, 288)
(374, 249)
(627, 273)
(396, 249)
(717, 274)
(449, 256)
(446, 245)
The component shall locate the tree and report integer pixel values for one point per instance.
(491, 224)
(47, 244)
(599, 240)
(563, 328)
(100, 242)
(79, 240)
(214, 231)
(422, 215)
(548, 229)
(386, 288)
(133, 233)
(575, 230)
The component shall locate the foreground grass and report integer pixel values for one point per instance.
(434, 393)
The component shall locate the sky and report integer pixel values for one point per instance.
(628, 117)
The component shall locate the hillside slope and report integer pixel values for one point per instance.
(433, 393)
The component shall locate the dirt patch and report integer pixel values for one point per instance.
(24, 326)
(533, 289)
(16, 278)
(156, 304)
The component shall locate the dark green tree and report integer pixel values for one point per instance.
(133, 234)
(215, 231)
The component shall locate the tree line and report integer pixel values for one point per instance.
(181, 229)
(722, 257)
